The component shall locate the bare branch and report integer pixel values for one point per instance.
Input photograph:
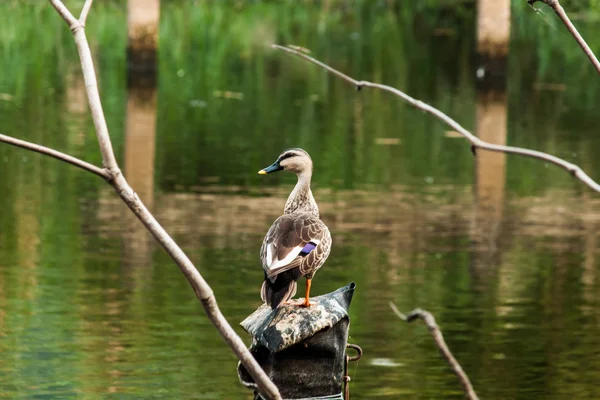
(65, 13)
(85, 11)
(559, 10)
(438, 338)
(56, 154)
(203, 291)
(475, 141)
(91, 86)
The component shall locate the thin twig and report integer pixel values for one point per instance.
(91, 87)
(475, 141)
(56, 154)
(203, 291)
(438, 338)
(560, 11)
(85, 11)
(65, 13)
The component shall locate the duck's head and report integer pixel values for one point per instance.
(295, 160)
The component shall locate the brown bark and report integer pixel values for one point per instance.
(490, 168)
(493, 27)
(142, 46)
(142, 24)
(140, 141)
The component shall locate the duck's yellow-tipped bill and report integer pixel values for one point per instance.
(271, 168)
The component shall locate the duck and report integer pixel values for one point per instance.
(298, 242)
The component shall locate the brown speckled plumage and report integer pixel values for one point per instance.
(298, 242)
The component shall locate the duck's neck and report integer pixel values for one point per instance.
(301, 199)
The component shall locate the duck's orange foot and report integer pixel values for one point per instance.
(305, 303)
(299, 303)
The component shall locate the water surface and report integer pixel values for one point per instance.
(504, 251)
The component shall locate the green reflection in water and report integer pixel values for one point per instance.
(86, 314)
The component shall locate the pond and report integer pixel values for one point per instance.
(504, 251)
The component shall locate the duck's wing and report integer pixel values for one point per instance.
(289, 240)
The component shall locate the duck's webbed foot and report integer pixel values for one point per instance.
(299, 303)
(305, 303)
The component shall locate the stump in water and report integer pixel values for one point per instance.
(493, 37)
(302, 349)
(143, 18)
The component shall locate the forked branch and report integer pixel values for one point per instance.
(438, 338)
(56, 154)
(112, 173)
(85, 11)
(560, 11)
(64, 12)
(476, 143)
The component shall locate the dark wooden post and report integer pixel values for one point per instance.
(139, 163)
(493, 36)
(303, 350)
(142, 48)
(140, 130)
(490, 179)
(490, 167)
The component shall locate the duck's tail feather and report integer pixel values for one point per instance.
(280, 288)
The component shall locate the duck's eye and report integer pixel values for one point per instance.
(286, 155)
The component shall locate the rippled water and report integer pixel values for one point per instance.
(503, 251)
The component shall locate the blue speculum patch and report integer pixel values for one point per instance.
(310, 246)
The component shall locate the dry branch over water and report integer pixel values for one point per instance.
(560, 11)
(476, 143)
(112, 173)
(438, 338)
(351, 220)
